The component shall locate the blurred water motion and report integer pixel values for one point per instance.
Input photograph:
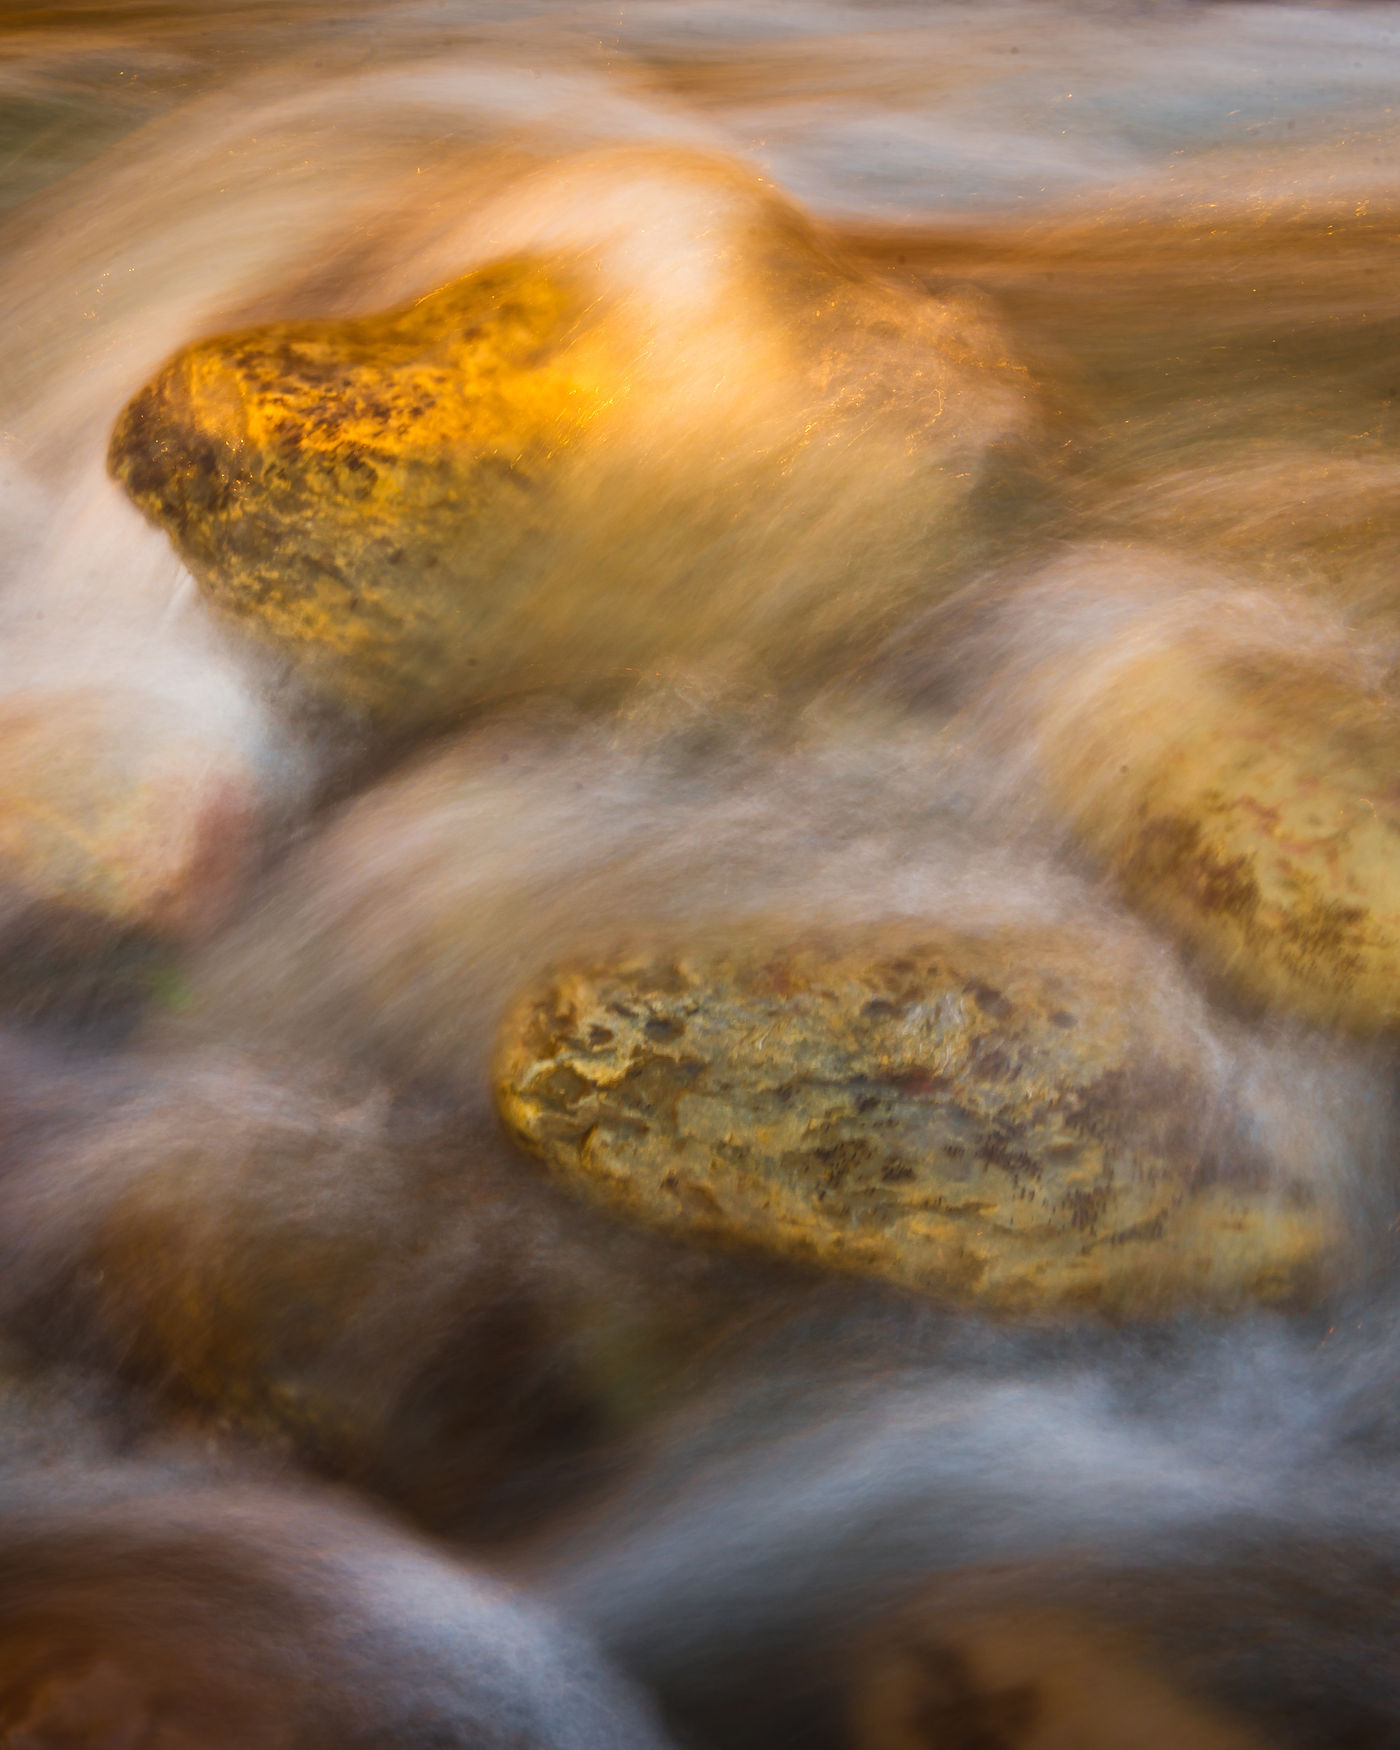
(934, 481)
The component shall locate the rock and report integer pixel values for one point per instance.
(1009, 1121)
(1231, 758)
(343, 1278)
(1028, 1680)
(669, 421)
(339, 485)
(143, 1604)
(117, 814)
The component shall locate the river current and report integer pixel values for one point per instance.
(326, 1420)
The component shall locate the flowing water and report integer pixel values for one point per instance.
(327, 1419)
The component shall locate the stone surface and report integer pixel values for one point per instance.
(1008, 1121)
(1233, 763)
(670, 422)
(320, 479)
(1028, 1680)
(118, 814)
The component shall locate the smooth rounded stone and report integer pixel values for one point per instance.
(155, 1606)
(341, 1276)
(1012, 1121)
(668, 419)
(1231, 758)
(1028, 1680)
(117, 814)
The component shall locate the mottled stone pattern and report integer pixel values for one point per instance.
(1000, 1121)
(317, 477)
(1254, 810)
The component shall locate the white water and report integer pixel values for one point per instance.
(1182, 219)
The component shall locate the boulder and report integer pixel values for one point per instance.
(1013, 1121)
(672, 420)
(1230, 757)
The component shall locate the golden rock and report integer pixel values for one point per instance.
(1233, 762)
(320, 478)
(704, 435)
(1005, 1121)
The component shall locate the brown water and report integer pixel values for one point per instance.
(326, 1420)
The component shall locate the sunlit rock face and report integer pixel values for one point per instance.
(1028, 1680)
(1232, 758)
(1007, 1121)
(667, 420)
(344, 485)
(118, 814)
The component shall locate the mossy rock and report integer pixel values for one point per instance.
(1009, 1121)
(318, 478)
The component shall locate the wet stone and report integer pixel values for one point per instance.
(1006, 1121)
(351, 1282)
(548, 472)
(1028, 1679)
(1235, 770)
(317, 476)
(117, 814)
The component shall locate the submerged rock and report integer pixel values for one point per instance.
(344, 1278)
(1010, 1121)
(117, 814)
(142, 1604)
(669, 421)
(1028, 1680)
(1232, 758)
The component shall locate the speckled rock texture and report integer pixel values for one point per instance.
(1234, 763)
(1005, 1121)
(318, 477)
(703, 435)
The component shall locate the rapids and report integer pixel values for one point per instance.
(325, 1419)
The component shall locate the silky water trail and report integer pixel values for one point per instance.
(930, 589)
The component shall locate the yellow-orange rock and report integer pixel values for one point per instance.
(1008, 1121)
(701, 433)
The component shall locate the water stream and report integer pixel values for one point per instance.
(326, 1418)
